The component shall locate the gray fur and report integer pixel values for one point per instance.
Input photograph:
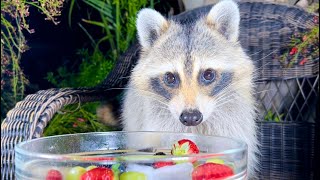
(188, 45)
(159, 88)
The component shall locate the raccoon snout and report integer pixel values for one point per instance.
(191, 117)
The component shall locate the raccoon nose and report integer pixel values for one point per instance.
(191, 117)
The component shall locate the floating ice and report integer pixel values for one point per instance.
(147, 170)
(177, 172)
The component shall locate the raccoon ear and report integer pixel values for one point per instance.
(225, 18)
(150, 25)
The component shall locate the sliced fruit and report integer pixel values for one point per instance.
(184, 147)
(162, 164)
(216, 160)
(75, 173)
(90, 167)
(211, 171)
(54, 175)
(116, 171)
(99, 173)
(131, 175)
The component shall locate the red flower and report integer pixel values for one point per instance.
(316, 19)
(75, 125)
(81, 119)
(304, 38)
(303, 61)
(293, 51)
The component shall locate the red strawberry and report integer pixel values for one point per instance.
(99, 173)
(162, 164)
(184, 147)
(54, 175)
(211, 171)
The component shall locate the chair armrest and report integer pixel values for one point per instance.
(30, 116)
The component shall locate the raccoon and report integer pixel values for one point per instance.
(193, 76)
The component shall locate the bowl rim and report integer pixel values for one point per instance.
(19, 148)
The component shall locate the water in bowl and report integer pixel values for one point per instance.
(128, 151)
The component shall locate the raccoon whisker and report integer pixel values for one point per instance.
(239, 84)
(223, 96)
(255, 92)
(227, 93)
(222, 103)
(259, 82)
(219, 112)
(155, 98)
(254, 53)
(238, 87)
(148, 92)
(267, 90)
(156, 95)
(259, 68)
(266, 56)
(224, 99)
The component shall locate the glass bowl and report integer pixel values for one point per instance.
(129, 155)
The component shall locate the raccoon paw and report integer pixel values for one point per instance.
(106, 116)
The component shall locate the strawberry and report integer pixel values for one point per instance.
(211, 171)
(184, 147)
(54, 175)
(99, 173)
(162, 164)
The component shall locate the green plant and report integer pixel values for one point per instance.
(303, 47)
(314, 7)
(14, 14)
(117, 22)
(74, 119)
(92, 70)
(273, 117)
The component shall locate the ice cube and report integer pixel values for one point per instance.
(177, 172)
(147, 170)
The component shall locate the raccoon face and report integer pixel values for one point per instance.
(195, 69)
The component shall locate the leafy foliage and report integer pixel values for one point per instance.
(303, 47)
(273, 117)
(117, 22)
(14, 14)
(74, 119)
(92, 70)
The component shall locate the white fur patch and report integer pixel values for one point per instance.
(149, 21)
(225, 17)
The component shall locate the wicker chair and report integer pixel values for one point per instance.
(287, 148)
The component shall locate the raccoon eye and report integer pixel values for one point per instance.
(170, 79)
(208, 76)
